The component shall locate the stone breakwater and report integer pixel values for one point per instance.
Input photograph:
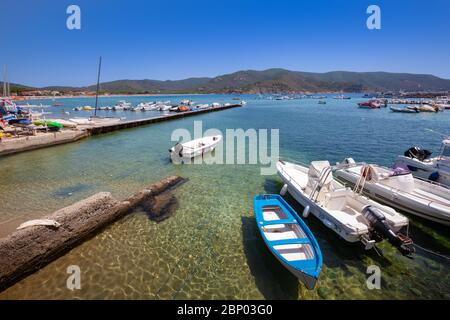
(27, 250)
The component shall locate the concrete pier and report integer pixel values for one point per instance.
(41, 140)
(141, 122)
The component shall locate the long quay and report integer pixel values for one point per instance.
(43, 140)
(104, 128)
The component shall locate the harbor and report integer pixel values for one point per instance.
(210, 247)
(90, 126)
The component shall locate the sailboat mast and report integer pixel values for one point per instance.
(4, 80)
(98, 85)
(8, 89)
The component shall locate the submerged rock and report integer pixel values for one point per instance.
(160, 207)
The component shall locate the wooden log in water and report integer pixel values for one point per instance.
(27, 250)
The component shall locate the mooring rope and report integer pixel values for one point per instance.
(433, 252)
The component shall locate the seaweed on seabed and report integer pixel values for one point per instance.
(161, 206)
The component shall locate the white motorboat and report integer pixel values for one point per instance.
(149, 107)
(422, 166)
(122, 105)
(399, 189)
(352, 216)
(164, 107)
(118, 108)
(184, 152)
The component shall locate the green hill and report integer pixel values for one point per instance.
(277, 80)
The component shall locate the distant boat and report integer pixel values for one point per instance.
(424, 108)
(404, 110)
(420, 163)
(371, 104)
(65, 123)
(194, 148)
(288, 238)
(341, 97)
(182, 108)
(322, 102)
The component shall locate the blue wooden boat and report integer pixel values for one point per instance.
(288, 238)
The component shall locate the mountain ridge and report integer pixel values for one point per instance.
(274, 80)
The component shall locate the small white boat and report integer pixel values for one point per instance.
(420, 164)
(352, 216)
(399, 189)
(164, 107)
(184, 152)
(65, 123)
(424, 108)
(104, 120)
(81, 121)
(148, 107)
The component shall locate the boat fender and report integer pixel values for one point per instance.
(434, 176)
(305, 213)
(283, 190)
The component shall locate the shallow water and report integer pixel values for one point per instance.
(210, 248)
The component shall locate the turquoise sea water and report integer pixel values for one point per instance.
(210, 247)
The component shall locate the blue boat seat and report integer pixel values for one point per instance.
(290, 241)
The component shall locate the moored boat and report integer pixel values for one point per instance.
(399, 189)
(288, 238)
(404, 110)
(65, 123)
(184, 152)
(420, 164)
(352, 216)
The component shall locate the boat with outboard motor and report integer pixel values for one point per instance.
(420, 164)
(405, 110)
(371, 104)
(184, 152)
(288, 238)
(354, 217)
(397, 188)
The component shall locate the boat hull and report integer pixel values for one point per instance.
(423, 170)
(321, 214)
(187, 154)
(398, 200)
(305, 267)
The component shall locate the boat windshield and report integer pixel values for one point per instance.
(445, 151)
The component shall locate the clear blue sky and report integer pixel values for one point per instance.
(174, 39)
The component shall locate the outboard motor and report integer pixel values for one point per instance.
(383, 230)
(176, 153)
(417, 153)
